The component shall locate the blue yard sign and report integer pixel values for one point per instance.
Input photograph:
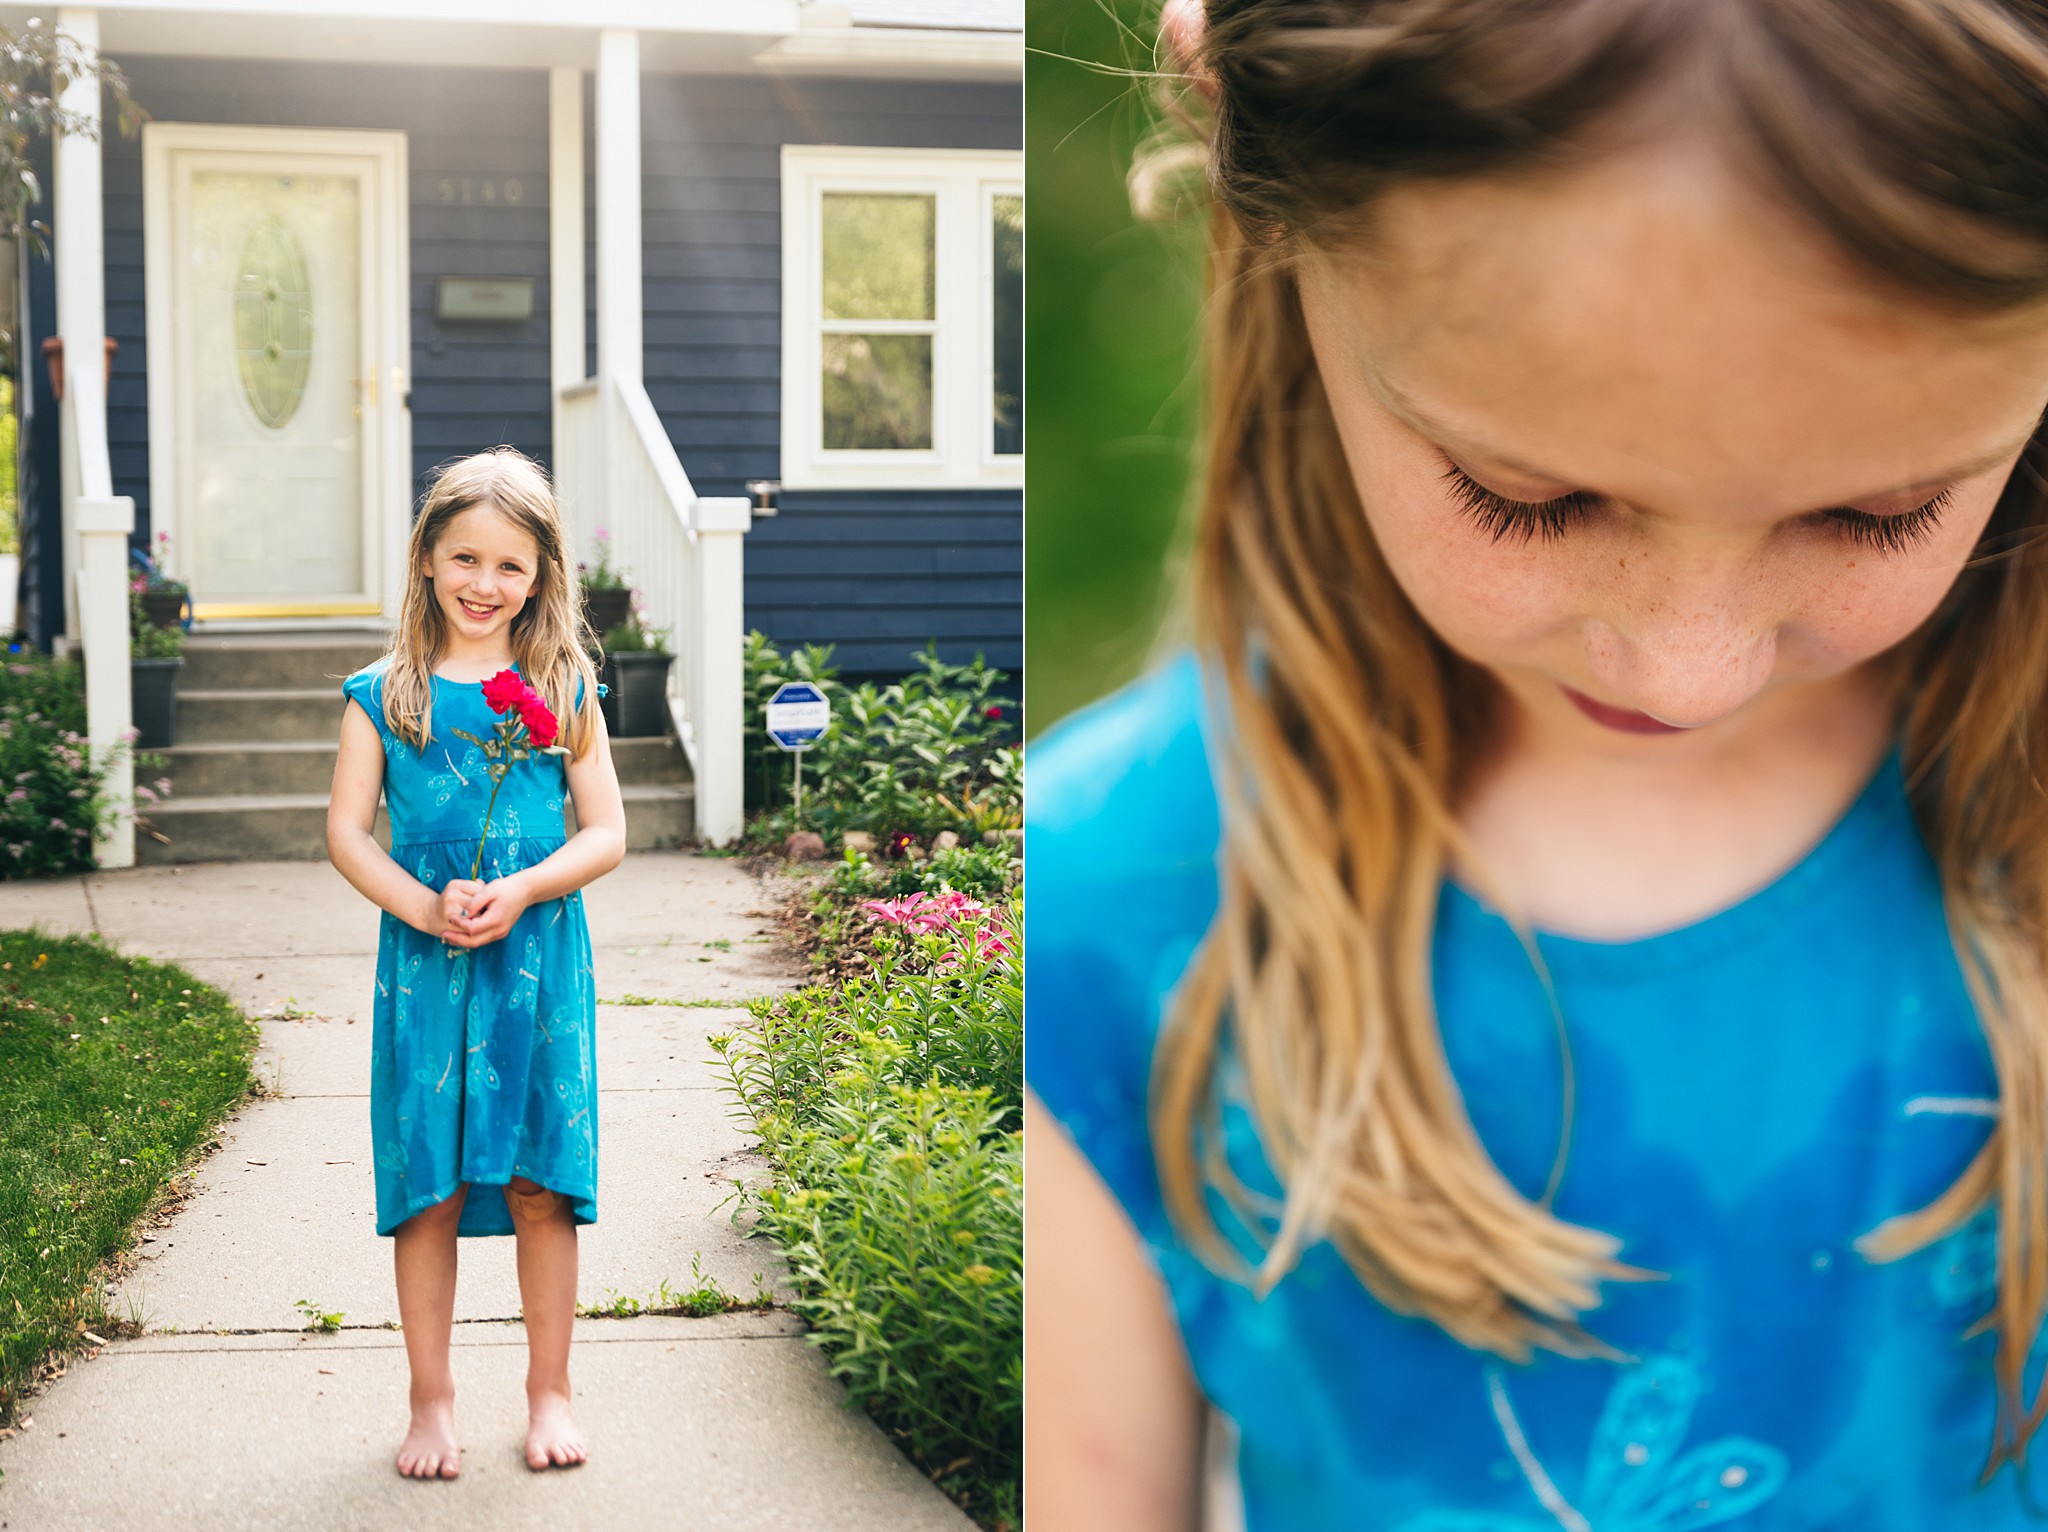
(797, 714)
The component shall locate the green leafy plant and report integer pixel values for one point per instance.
(703, 1298)
(52, 790)
(601, 575)
(983, 871)
(36, 64)
(889, 1106)
(934, 751)
(318, 1320)
(147, 641)
(633, 636)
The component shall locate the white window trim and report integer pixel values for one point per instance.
(963, 357)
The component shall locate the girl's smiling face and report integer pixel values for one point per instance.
(1637, 444)
(483, 569)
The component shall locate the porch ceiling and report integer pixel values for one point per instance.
(676, 36)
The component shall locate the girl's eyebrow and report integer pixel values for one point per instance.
(1420, 421)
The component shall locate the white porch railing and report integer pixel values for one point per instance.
(616, 468)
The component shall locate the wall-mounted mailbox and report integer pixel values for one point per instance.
(493, 300)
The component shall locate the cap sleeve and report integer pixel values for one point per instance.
(602, 691)
(365, 687)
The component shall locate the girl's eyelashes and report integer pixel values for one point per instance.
(1517, 520)
(1889, 534)
(1523, 520)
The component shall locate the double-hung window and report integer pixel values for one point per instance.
(902, 318)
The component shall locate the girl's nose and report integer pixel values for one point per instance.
(1689, 670)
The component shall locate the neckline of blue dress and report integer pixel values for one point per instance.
(451, 681)
(1774, 907)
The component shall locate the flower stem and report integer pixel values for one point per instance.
(497, 781)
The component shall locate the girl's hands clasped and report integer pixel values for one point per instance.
(476, 914)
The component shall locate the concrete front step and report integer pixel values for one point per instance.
(266, 715)
(223, 661)
(267, 768)
(293, 826)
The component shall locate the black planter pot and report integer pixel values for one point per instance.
(163, 608)
(606, 609)
(637, 705)
(155, 685)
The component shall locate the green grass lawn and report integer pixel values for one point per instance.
(113, 1072)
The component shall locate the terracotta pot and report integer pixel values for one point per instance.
(53, 356)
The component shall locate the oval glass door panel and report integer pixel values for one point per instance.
(273, 322)
(269, 293)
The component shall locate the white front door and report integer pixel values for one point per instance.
(277, 366)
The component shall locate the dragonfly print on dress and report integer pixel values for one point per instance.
(1638, 1476)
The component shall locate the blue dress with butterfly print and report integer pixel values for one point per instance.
(1753, 1092)
(483, 1062)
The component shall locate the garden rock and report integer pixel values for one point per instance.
(945, 840)
(858, 840)
(804, 846)
(997, 837)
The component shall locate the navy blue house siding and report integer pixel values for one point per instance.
(875, 573)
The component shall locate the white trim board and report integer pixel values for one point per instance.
(961, 180)
(386, 308)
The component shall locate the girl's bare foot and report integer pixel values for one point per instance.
(552, 1440)
(429, 1450)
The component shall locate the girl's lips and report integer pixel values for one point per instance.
(1622, 719)
(480, 613)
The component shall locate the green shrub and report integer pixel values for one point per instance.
(889, 1107)
(986, 872)
(52, 794)
(934, 751)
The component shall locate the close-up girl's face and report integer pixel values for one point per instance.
(483, 569)
(1646, 450)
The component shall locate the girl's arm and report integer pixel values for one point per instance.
(351, 833)
(1113, 1420)
(598, 846)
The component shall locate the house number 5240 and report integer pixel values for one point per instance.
(471, 190)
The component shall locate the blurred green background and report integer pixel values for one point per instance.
(1111, 397)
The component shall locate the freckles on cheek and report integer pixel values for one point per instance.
(1858, 615)
(1489, 601)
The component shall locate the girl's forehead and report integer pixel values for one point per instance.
(1647, 326)
(485, 526)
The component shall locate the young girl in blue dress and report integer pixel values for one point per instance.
(483, 1086)
(1538, 1015)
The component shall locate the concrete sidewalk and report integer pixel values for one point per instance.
(227, 1414)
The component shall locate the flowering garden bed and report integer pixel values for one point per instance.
(889, 1104)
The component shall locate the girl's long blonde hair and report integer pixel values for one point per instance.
(550, 637)
(1914, 135)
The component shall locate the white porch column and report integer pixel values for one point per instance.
(81, 267)
(718, 616)
(97, 522)
(565, 287)
(618, 204)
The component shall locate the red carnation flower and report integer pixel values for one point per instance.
(504, 691)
